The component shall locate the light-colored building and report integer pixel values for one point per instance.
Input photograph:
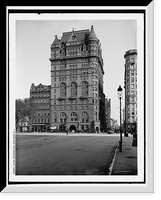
(77, 98)
(23, 124)
(114, 124)
(131, 90)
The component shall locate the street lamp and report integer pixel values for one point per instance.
(119, 93)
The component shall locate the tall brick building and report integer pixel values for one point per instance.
(40, 97)
(130, 90)
(77, 98)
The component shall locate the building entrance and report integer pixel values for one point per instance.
(72, 128)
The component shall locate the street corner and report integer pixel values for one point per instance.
(125, 162)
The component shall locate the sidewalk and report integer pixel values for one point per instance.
(125, 162)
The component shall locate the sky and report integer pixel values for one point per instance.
(34, 38)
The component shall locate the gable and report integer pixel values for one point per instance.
(73, 39)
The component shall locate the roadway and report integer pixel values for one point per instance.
(42, 154)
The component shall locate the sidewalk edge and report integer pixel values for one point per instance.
(113, 160)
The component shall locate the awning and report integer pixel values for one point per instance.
(53, 127)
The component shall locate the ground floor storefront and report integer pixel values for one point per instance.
(40, 127)
(76, 126)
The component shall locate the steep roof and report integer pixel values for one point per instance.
(56, 41)
(81, 35)
(92, 35)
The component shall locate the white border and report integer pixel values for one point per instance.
(140, 139)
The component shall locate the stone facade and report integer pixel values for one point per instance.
(77, 98)
(131, 90)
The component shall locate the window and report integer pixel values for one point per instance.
(63, 90)
(132, 92)
(73, 116)
(63, 117)
(73, 89)
(85, 117)
(84, 88)
(132, 99)
(55, 117)
(132, 86)
(127, 86)
(132, 79)
(132, 73)
(127, 80)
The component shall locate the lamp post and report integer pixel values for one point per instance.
(119, 93)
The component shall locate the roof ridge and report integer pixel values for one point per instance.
(78, 31)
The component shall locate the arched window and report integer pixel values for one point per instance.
(63, 90)
(73, 116)
(84, 89)
(85, 117)
(63, 117)
(55, 117)
(73, 89)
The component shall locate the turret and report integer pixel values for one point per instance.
(92, 42)
(92, 36)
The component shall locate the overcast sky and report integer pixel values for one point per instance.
(34, 38)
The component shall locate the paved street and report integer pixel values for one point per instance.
(64, 155)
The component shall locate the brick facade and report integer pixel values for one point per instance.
(77, 98)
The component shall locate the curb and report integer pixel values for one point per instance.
(113, 160)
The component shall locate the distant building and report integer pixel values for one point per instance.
(77, 98)
(114, 124)
(108, 113)
(130, 90)
(24, 125)
(40, 97)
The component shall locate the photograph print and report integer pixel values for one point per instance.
(78, 90)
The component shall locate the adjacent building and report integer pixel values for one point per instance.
(77, 98)
(40, 99)
(23, 124)
(130, 86)
(108, 113)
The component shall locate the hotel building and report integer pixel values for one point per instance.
(77, 98)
